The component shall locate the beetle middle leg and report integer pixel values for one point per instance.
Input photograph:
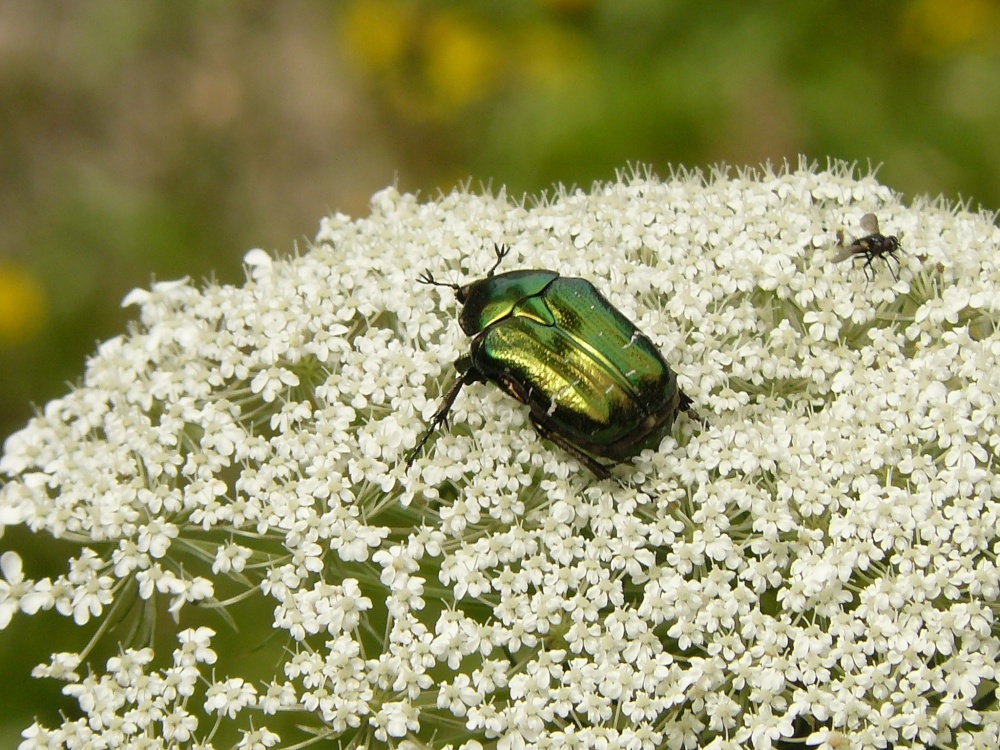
(598, 469)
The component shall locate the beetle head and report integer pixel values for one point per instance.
(462, 291)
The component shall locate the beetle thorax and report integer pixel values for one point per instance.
(490, 300)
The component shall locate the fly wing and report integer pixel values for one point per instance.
(869, 222)
(846, 252)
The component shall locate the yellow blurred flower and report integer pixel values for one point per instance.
(375, 32)
(22, 304)
(430, 65)
(942, 26)
(461, 63)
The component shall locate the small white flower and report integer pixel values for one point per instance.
(229, 697)
(13, 588)
(272, 381)
(231, 558)
(155, 538)
(258, 739)
(395, 719)
(179, 725)
(61, 667)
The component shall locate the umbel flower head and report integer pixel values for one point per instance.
(814, 559)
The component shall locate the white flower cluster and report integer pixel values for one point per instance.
(814, 559)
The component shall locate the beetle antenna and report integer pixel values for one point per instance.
(428, 278)
(501, 252)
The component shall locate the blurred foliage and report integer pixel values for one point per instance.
(155, 140)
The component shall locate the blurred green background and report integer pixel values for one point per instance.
(150, 140)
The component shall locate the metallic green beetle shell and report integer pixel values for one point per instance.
(584, 370)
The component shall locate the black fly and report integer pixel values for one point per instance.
(871, 246)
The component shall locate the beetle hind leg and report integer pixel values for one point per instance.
(686, 405)
(598, 469)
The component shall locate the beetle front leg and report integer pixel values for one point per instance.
(470, 375)
(598, 469)
(501, 253)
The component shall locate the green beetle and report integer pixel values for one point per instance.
(595, 385)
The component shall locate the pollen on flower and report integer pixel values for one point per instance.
(808, 556)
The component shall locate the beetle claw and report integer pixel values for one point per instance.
(440, 421)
